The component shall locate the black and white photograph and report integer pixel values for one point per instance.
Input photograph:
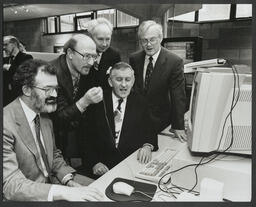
(127, 102)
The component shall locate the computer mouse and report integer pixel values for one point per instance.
(123, 188)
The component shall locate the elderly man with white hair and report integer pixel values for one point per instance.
(159, 76)
(101, 31)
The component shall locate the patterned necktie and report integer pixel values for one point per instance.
(118, 115)
(76, 87)
(148, 73)
(43, 154)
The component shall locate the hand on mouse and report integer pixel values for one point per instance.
(144, 155)
(99, 169)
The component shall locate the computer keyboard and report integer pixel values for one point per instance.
(158, 166)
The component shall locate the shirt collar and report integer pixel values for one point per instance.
(155, 56)
(115, 98)
(29, 113)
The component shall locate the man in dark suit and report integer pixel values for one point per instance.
(119, 125)
(14, 57)
(76, 93)
(100, 30)
(159, 76)
(33, 168)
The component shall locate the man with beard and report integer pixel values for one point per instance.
(119, 125)
(76, 92)
(14, 57)
(33, 168)
(100, 30)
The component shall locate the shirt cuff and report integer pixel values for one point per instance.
(80, 108)
(150, 145)
(67, 178)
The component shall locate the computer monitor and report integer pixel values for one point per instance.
(209, 126)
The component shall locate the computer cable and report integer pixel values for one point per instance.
(233, 104)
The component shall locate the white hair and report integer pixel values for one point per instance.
(91, 25)
(145, 25)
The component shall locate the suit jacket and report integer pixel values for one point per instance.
(136, 130)
(10, 95)
(166, 93)
(23, 177)
(108, 59)
(67, 117)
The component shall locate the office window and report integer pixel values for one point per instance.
(212, 12)
(243, 10)
(51, 25)
(67, 23)
(84, 14)
(188, 17)
(109, 14)
(124, 20)
(81, 20)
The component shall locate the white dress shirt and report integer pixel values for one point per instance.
(146, 61)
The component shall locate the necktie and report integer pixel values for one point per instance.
(44, 156)
(148, 73)
(118, 117)
(76, 87)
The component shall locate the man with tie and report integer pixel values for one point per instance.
(76, 91)
(119, 125)
(100, 30)
(159, 76)
(14, 57)
(33, 168)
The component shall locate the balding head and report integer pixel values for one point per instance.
(80, 53)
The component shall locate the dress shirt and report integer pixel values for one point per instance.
(118, 125)
(146, 61)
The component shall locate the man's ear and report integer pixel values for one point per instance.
(110, 82)
(26, 90)
(69, 53)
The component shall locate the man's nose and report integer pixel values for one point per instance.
(90, 61)
(123, 83)
(54, 93)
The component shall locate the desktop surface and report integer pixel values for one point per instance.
(229, 170)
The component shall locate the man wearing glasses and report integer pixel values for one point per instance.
(159, 76)
(33, 168)
(76, 92)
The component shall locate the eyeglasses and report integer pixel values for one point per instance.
(152, 41)
(49, 90)
(86, 56)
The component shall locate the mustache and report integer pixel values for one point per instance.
(51, 100)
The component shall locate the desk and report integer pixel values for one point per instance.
(130, 166)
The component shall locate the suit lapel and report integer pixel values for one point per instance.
(110, 114)
(47, 137)
(127, 117)
(140, 69)
(65, 77)
(25, 132)
(158, 69)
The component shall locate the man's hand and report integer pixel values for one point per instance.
(77, 194)
(92, 96)
(72, 183)
(99, 169)
(180, 134)
(144, 155)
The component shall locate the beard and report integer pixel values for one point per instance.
(42, 104)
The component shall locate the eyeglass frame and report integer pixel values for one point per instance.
(84, 57)
(146, 41)
(48, 90)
